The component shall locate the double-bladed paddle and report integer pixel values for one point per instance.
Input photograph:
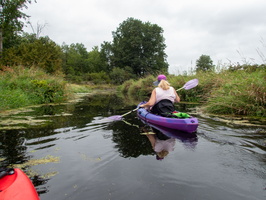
(188, 85)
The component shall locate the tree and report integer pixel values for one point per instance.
(106, 54)
(96, 62)
(10, 21)
(75, 59)
(41, 52)
(140, 46)
(204, 63)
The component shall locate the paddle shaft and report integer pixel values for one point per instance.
(180, 89)
(129, 112)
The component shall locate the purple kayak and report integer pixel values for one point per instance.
(188, 125)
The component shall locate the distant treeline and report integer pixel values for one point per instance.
(137, 49)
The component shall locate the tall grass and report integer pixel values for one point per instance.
(238, 92)
(22, 87)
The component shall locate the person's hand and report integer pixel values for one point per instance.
(144, 106)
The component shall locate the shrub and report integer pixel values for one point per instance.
(97, 78)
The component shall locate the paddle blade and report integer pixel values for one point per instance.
(191, 84)
(115, 117)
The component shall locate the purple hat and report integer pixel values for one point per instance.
(159, 78)
(158, 158)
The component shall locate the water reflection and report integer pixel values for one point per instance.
(163, 139)
(137, 138)
(12, 148)
(161, 144)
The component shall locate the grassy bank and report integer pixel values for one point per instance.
(21, 87)
(239, 92)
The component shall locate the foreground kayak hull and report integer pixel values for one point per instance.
(17, 187)
(188, 125)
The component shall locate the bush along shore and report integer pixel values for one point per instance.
(229, 92)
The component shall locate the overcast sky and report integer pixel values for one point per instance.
(226, 30)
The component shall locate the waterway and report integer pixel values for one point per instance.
(74, 151)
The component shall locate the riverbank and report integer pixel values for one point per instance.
(235, 93)
(22, 87)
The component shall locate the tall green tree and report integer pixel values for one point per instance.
(139, 46)
(96, 62)
(11, 23)
(204, 63)
(75, 59)
(106, 54)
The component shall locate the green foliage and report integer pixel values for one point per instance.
(106, 54)
(13, 98)
(96, 62)
(137, 50)
(242, 94)
(10, 20)
(47, 91)
(192, 95)
(246, 67)
(74, 88)
(97, 78)
(22, 87)
(204, 63)
(119, 76)
(125, 86)
(142, 87)
(41, 52)
(75, 59)
(140, 46)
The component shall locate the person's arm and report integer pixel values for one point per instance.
(151, 101)
(177, 98)
(152, 140)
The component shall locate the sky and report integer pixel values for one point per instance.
(229, 31)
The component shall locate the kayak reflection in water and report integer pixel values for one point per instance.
(160, 143)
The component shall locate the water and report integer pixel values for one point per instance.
(87, 156)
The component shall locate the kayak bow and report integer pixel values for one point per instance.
(15, 185)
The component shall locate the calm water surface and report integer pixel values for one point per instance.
(98, 159)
